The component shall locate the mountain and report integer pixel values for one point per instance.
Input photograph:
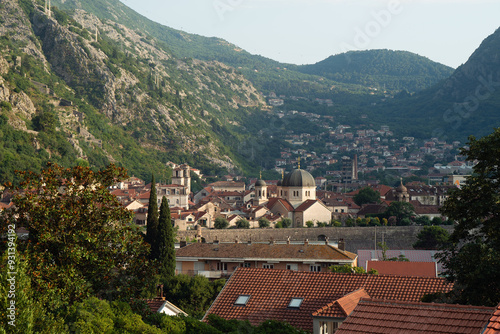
(466, 103)
(98, 83)
(77, 88)
(397, 70)
(392, 70)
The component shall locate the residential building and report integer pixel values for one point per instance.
(257, 295)
(215, 260)
(389, 316)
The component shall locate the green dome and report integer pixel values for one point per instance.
(299, 178)
(260, 183)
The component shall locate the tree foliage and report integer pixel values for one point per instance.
(243, 223)
(402, 211)
(348, 269)
(472, 258)
(152, 220)
(264, 222)
(194, 294)
(81, 240)
(166, 241)
(366, 195)
(431, 237)
(221, 223)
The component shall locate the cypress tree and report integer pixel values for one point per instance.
(152, 221)
(166, 244)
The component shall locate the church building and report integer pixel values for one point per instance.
(296, 199)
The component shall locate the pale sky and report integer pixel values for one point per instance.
(308, 31)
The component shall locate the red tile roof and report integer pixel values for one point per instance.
(245, 251)
(424, 269)
(274, 200)
(365, 255)
(494, 323)
(384, 316)
(342, 307)
(271, 290)
(155, 304)
(307, 204)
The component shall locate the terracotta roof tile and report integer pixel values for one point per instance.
(265, 251)
(494, 323)
(155, 304)
(384, 316)
(274, 200)
(365, 255)
(307, 204)
(271, 290)
(425, 269)
(342, 307)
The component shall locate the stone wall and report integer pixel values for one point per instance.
(396, 237)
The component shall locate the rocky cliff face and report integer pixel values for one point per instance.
(165, 103)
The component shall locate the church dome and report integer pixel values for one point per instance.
(401, 188)
(299, 178)
(260, 183)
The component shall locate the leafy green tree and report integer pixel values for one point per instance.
(348, 269)
(82, 240)
(166, 241)
(242, 223)
(99, 316)
(221, 223)
(309, 223)
(437, 221)
(423, 221)
(264, 222)
(366, 195)
(194, 294)
(472, 257)
(152, 220)
(400, 210)
(431, 237)
(16, 286)
(285, 222)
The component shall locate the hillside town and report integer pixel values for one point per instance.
(375, 150)
(297, 196)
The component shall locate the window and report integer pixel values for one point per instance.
(316, 268)
(221, 266)
(246, 265)
(242, 300)
(292, 266)
(295, 302)
(268, 266)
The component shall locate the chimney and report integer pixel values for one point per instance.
(183, 243)
(159, 289)
(341, 244)
(288, 240)
(306, 242)
(326, 240)
(236, 241)
(250, 241)
(271, 241)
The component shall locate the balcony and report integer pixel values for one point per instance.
(210, 274)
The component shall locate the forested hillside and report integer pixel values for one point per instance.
(467, 103)
(383, 69)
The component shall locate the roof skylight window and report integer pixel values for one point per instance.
(295, 302)
(242, 300)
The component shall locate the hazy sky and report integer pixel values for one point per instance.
(307, 31)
